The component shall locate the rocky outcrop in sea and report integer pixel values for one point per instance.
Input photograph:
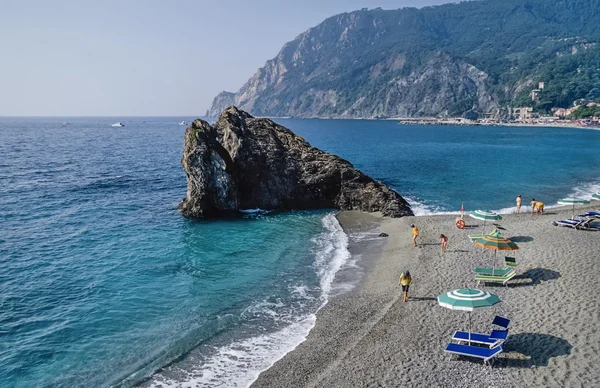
(242, 162)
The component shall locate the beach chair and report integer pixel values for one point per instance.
(474, 351)
(496, 279)
(590, 215)
(493, 271)
(510, 261)
(484, 339)
(577, 224)
(477, 338)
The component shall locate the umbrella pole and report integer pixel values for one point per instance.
(469, 328)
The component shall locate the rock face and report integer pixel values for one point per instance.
(434, 61)
(242, 162)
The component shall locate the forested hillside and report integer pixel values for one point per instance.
(478, 56)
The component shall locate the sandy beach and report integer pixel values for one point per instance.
(369, 338)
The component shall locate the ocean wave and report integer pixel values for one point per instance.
(238, 364)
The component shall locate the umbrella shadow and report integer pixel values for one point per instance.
(521, 239)
(536, 276)
(525, 350)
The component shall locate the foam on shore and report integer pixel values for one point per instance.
(369, 337)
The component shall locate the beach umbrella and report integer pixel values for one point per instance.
(596, 196)
(467, 299)
(485, 215)
(494, 241)
(573, 201)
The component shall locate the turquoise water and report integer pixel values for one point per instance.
(102, 282)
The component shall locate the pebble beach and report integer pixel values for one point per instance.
(368, 337)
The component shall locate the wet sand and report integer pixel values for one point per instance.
(369, 338)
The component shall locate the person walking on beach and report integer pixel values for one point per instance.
(405, 280)
(519, 200)
(415, 233)
(444, 242)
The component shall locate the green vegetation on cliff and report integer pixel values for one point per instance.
(443, 60)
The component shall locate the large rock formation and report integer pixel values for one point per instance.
(242, 162)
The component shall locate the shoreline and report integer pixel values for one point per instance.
(367, 336)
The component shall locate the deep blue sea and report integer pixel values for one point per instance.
(102, 282)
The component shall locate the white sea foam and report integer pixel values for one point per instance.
(252, 211)
(240, 363)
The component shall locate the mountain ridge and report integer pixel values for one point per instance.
(435, 61)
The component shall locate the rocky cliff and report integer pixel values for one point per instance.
(434, 61)
(242, 162)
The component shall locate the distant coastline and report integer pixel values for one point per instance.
(454, 121)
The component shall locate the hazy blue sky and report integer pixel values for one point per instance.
(145, 57)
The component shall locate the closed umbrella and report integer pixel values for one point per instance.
(573, 201)
(485, 215)
(467, 299)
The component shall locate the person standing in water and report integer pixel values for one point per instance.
(444, 242)
(415, 233)
(532, 204)
(519, 200)
(405, 280)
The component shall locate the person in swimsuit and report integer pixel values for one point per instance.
(519, 200)
(415, 233)
(533, 207)
(405, 280)
(444, 242)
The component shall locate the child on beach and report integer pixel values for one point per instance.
(405, 280)
(519, 200)
(415, 233)
(444, 242)
(532, 204)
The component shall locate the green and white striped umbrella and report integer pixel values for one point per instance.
(467, 299)
(485, 215)
(573, 201)
(596, 196)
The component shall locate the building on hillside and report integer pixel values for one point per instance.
(523, 113)
(541, 85)
(535, 95)
(559, 112)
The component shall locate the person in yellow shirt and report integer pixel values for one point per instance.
(539, 207)
(415, 233)
(405, 280)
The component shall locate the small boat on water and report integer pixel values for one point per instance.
(118, 124)
(182, 123)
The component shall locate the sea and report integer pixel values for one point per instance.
(103, 283)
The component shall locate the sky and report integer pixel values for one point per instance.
(145, 58)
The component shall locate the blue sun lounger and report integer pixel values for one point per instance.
(495, 338)
(474, 351)
(476, 338)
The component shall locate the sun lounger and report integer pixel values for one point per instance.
(493, 271)
(501, 321)
(510, 261)
(474, 351)
(496, 279)
(478, 338)
(577, 224)
(590, 215)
